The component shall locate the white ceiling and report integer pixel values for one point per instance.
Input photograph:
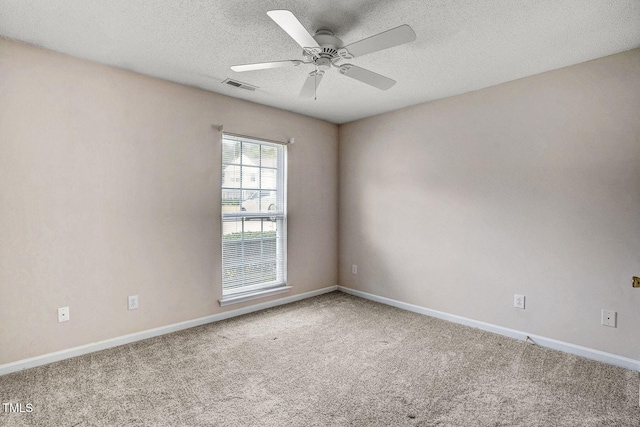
(462, 45)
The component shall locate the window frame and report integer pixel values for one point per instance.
(243, 292)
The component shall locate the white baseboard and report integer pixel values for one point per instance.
(150, 333)
(589, 353)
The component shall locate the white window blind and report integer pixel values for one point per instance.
(253, 217)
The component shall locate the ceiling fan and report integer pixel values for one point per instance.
(324, 50)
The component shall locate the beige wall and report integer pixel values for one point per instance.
(529, 187)
(111, 187)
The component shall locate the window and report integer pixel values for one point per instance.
(253, 219)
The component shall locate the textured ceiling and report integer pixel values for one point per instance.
(462, 45)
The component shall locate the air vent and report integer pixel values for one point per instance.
(240, 85)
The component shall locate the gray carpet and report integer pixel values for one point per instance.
(331, 360)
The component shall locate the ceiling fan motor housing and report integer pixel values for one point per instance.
(326, 39)
(327, 53)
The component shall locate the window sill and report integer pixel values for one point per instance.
(247, 296)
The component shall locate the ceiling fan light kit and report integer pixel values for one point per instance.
(324, 50)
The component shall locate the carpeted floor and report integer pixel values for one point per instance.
(332, 360)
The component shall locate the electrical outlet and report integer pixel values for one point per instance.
(636, 282)
(133, 302)
(354, 269)
(63, 314)
(609, 318)
(518, 301)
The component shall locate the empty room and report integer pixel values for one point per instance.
(321, 213)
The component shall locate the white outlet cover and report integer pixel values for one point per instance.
(354, 269)
(518, 301)
(63, 314)
(609, 318)
(133, 302)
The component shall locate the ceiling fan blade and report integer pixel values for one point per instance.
(366, 76)
(290, 24)
(390, 38)
(311, 84)
(265, 65)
